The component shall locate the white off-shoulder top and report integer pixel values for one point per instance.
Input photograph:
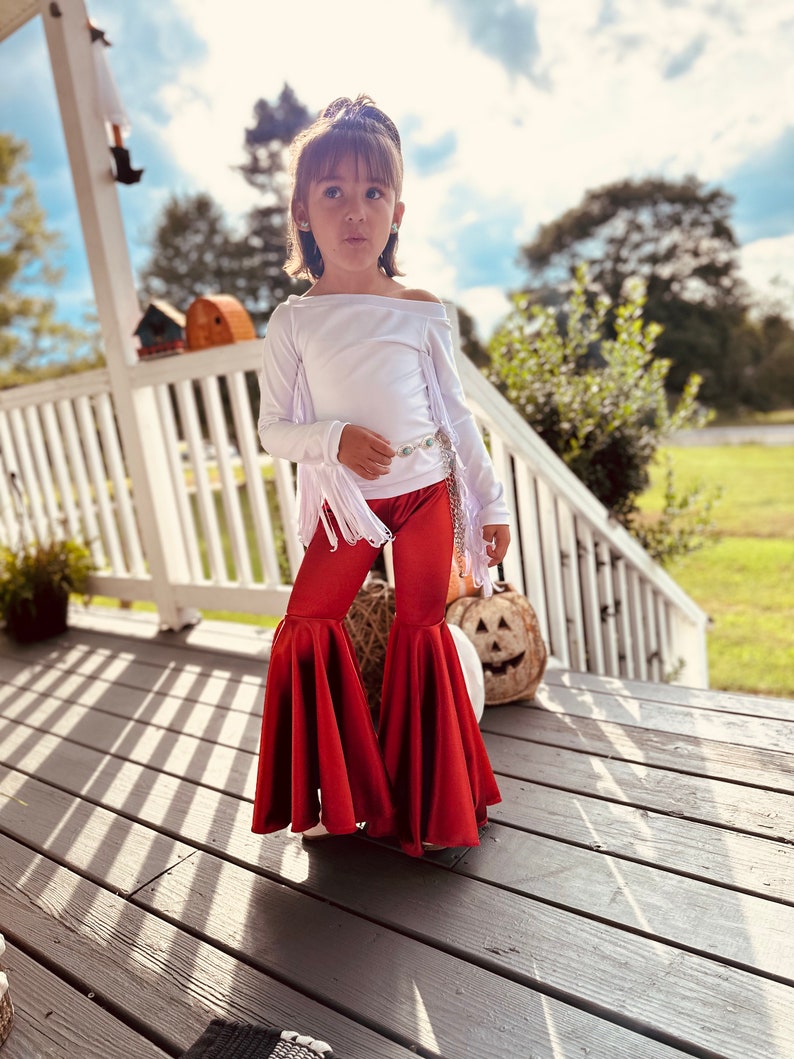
(386, 364)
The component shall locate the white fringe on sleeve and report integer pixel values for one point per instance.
(322, 486)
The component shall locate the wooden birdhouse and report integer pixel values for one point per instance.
(217, 320)
(161, 330)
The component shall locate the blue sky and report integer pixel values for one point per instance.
(509, 110)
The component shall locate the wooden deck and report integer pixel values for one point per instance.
(631, 899)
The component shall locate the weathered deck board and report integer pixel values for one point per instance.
(672, 694)
(144, 968)
(650, 787)
(739, 729)
(754, 767)
(54, 1019)
(701, 851)
(632, 899)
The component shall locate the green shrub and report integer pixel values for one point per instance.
(600, 403)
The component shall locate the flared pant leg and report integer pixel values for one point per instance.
(433, 751)
(425, 776)
(317, 730)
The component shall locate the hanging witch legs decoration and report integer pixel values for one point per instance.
(112, 109)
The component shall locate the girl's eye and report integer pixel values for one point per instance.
(374, 193)
(332, 193)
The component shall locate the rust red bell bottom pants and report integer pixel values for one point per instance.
(425, 775)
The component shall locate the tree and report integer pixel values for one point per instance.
(470, 343)
(267, 144)
(600, 403)
(676, 237)
(32, 340)
(194, 252)
(195, 249)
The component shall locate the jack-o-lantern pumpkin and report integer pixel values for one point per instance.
(505, 632)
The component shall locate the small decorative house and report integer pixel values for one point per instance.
(161, 330)
(217, 320)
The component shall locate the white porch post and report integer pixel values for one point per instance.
(68, 39)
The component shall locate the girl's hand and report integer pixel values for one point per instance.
(365, 452)
(498, 538)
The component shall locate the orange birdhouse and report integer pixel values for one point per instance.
(217, 320)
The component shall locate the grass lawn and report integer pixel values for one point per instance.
(744, 582)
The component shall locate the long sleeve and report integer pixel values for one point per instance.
(285, 429)
(478, 468)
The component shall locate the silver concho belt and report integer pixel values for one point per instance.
(408, 448)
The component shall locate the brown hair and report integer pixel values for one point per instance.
(346, 127)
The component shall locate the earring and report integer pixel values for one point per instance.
(394, 228)
(303, 224)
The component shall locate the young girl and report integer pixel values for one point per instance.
(359, 388)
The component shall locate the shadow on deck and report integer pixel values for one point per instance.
(631, 898)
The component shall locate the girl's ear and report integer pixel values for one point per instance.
(399, 210)
(300, 217)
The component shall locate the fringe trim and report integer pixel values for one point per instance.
(322, 489)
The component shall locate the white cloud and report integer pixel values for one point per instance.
(768, 266)
(488, 306)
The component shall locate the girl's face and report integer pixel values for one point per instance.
(350, 214)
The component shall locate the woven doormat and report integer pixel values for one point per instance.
(239, 1040)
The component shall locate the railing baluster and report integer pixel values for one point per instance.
(27, 476)
(503, 466)
(609, 617)
(666, 663)
(601, 603)
(552, 564)
(251, 456)
(530, 542)
(620, 582)
(187, 522)
(98, 475)
(204, 495)
(652, 638)
(638, 625)
(229, 497)
(9, 502)
(125, 516)
(79, 475)
(285, 490)
(54, 439)
(591, 604)
(571, 588)
(43, 471)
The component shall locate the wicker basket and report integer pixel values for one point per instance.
(6, 1008)
(369, 621)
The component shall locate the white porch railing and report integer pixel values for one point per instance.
(602, 604)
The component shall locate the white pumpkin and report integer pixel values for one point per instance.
(472, 670)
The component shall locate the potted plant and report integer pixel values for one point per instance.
(36, 580)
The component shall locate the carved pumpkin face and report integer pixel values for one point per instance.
(506, 635)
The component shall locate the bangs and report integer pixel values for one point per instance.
(373, 153)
